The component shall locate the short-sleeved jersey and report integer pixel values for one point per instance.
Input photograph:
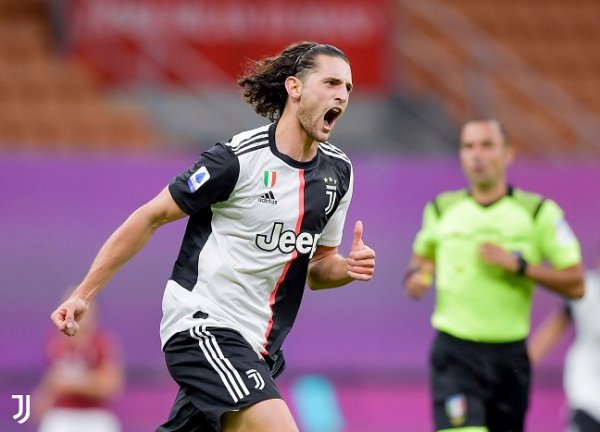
(582, 363)
(256, 218)
(478, 301)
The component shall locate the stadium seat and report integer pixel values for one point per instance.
(558, 40)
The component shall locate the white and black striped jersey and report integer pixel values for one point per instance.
(256, 218)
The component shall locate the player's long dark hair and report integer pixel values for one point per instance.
(263, 86)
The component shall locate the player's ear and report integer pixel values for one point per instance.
(293, 85)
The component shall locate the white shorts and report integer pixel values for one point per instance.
(77, 420)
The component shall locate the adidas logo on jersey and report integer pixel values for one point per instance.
(267, 198)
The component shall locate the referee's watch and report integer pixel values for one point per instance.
(522, 265)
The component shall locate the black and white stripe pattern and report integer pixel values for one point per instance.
(237, 204)
(255, 142)
(229, 375)
(333, 151)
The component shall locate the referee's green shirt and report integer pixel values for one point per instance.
(481, 302)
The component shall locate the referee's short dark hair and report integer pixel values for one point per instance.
(494, 121)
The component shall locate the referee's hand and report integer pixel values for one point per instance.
(68, 314)
(494, 254)
(361, 259)
(417, 283)
(419, 277)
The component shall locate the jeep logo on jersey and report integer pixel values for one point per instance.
(287, 241)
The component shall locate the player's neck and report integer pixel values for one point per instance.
(293, 141)
(486, 195)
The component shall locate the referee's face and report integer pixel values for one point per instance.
(484, 154)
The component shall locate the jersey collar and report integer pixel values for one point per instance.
(288, 160)
(509, 192)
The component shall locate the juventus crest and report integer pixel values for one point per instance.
(331, 191)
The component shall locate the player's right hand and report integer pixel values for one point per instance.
(67, 315)
(361, 259)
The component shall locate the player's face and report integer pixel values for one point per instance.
(325, 93)
(483, 154)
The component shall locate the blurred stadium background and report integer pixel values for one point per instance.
(102, 102)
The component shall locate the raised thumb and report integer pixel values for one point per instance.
(357, 242)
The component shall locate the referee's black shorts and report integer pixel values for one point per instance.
(479, 384)
(217, 371)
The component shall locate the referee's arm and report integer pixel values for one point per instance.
(568, 281)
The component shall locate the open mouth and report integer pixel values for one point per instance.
(331, 116)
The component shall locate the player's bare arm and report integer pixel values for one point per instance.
(547, 335)
(419, 276)
(328, 269)
(567, 281)
(120, 247)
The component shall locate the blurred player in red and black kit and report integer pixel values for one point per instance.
(83, 375)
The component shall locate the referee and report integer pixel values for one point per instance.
(485, 246)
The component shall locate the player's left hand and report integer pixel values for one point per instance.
(493, 254)
(361, 259)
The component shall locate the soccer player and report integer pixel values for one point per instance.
(266, 212)
(485, 246)
(582, 363)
